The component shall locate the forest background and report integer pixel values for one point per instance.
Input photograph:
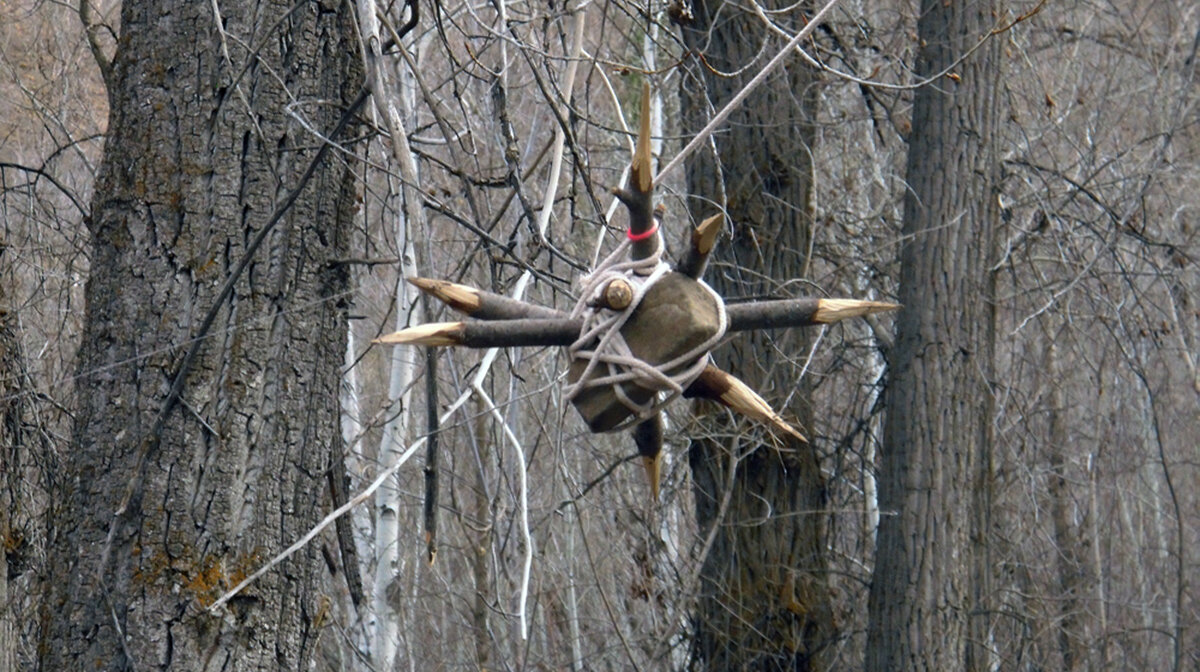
(209, 208)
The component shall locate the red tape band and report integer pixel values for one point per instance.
(635, 237)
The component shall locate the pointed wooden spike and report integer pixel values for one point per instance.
(802, 312)
(741, 398)
(459, 297)
(433, 334)
(430, 548)
(641, 177)
(648, 435)
(481, 304)
(836, 310)
(653, 467)
(705, 236)
(720, 386)
(704, 239)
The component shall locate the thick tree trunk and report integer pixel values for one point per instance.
(168, 508)
(764, 602)
(938, 403)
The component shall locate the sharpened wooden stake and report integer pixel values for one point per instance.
(704, 239)
(545, 331)
(799, 312)
(480, 304)
(433, 334)
(494, 334)
(462, 298)
(638, 197)
(648, 435)
(836, 310)
(722, 387)
(641, 176)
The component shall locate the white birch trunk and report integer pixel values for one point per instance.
(396, 430)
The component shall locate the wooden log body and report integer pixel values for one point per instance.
(676, 315)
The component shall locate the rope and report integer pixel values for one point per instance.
(610, 361)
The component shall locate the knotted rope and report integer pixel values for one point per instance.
(601, 343)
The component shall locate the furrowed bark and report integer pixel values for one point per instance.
(481, 304)
(929, 607)
(704, 239)
(187, 467)
(763, 601)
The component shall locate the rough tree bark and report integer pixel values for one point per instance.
(939, 412)
(169, 504)
(764, 602)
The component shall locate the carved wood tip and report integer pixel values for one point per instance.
(431, 550)
(836, 310)
(435, 334)
(653, 467)
(640, 175)
(459, 297)
(706, 233)
(738, 396)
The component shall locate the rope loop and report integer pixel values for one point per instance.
(610, 361)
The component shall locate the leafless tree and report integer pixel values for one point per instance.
(484, 154)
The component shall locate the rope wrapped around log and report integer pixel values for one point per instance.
(609, 359)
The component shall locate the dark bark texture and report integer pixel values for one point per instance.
(162, 516)
(764, 601)
(937, 428)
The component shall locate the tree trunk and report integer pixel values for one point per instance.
(169, 504)
(764, 602)
(1071, 546)
(12, 400)
(938, 403)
